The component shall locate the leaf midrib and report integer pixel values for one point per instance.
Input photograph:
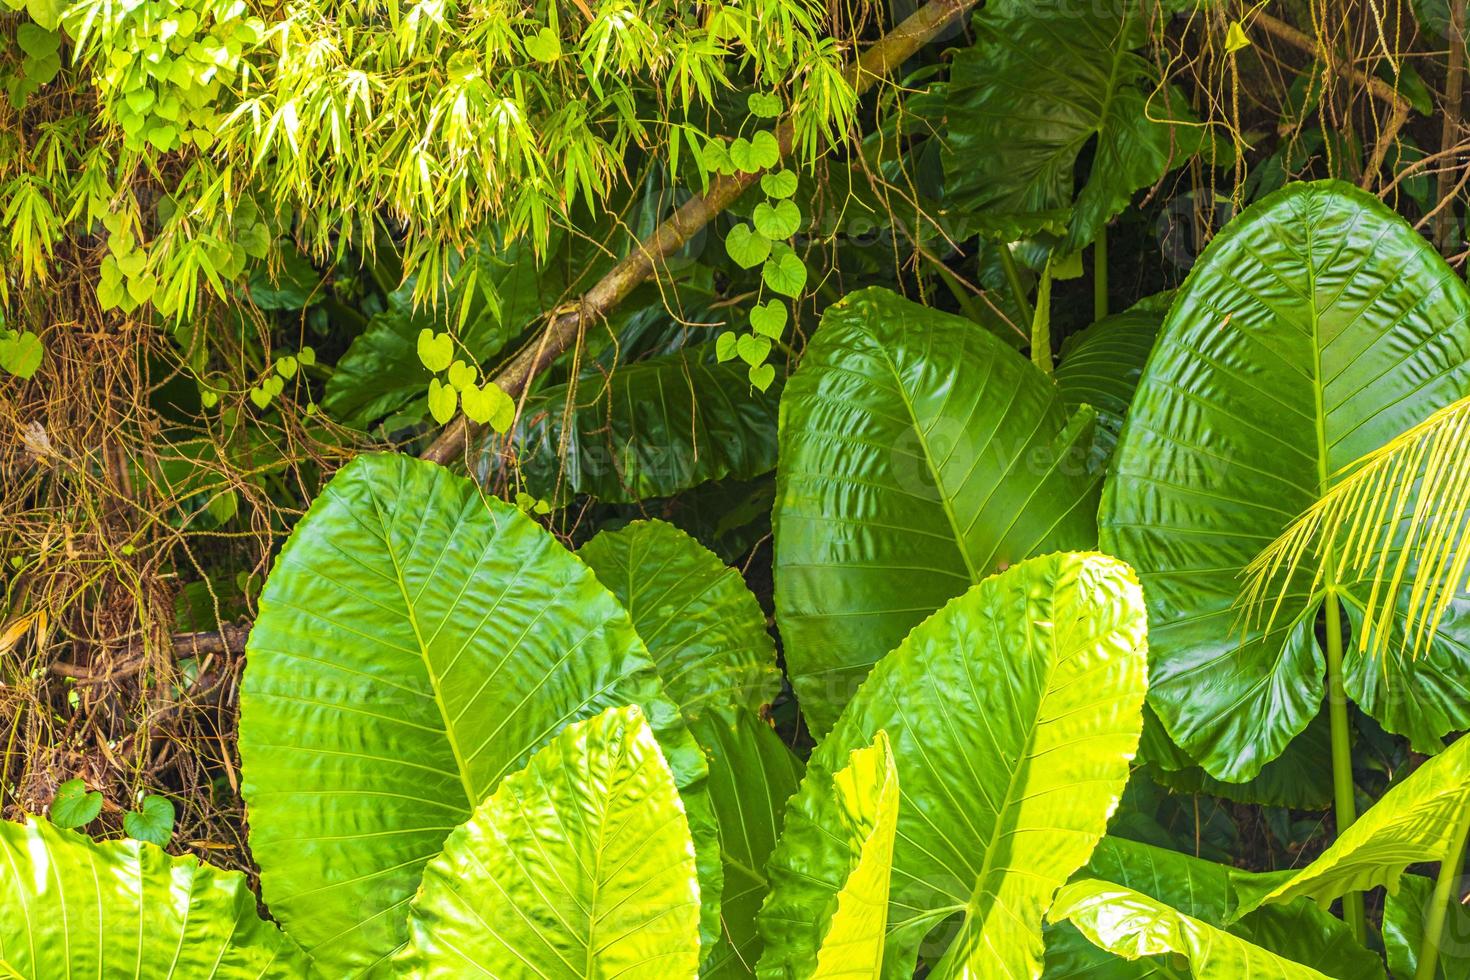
(418, 636)
(1022, 757)
(1329, 570)
(939, 487)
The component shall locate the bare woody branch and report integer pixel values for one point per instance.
(891, 51)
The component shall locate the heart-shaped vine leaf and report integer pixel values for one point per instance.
(769, 319)
(746, 246)
(781, 183)
(761, 376)
(784, 272)
(488, 404)
(443, 400)
(477, 404)
(153, 821)
(765, 105)
(544, 45)
(753, 348)
(73, 805)
(21, 354)
(462, 375)
(777, 221)
(725, 345)
(765, 152)
(743, 156)
(436, 350)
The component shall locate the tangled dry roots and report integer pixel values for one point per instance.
(106, 482)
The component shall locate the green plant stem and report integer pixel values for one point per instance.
(1444, 894)
(1041, 323)
(1100, 275)
(1345, 807)
(1013, 279)
(957, 290)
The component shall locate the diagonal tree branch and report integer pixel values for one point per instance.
(885, 55)
(562, 329)
(1399, 103)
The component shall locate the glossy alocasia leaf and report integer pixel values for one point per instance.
(1300, 777)
(1130, 924)
(74, 907)
(1315, 328)
(704, 629)
(1304, 932)
(1404, 912)
(1040, 83)
(918, 456)
(1197, 888)
(415, 644)
(1101, 366)
(867, 804)
(650, 429)
(578, 866)
(1414, 822)
(1206, 891)
(752, 774)
(1012, 714)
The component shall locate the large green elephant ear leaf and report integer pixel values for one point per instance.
(867, 803)
(1101, 366)
(1130, 924)
(652, 428)
(1012, 714)
(752, 774)
(416, 643)
(1203, 891)
(705, 630)
(578, 866)
(1313, 329)
(1193, 886)
(1037, 86)
(1416, 821)
(1404, 914)
(1300, 777)
(71, 906)
(919, 455)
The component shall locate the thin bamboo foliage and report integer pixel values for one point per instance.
(1398, 515)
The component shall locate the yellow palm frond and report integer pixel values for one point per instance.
(1399, 512)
